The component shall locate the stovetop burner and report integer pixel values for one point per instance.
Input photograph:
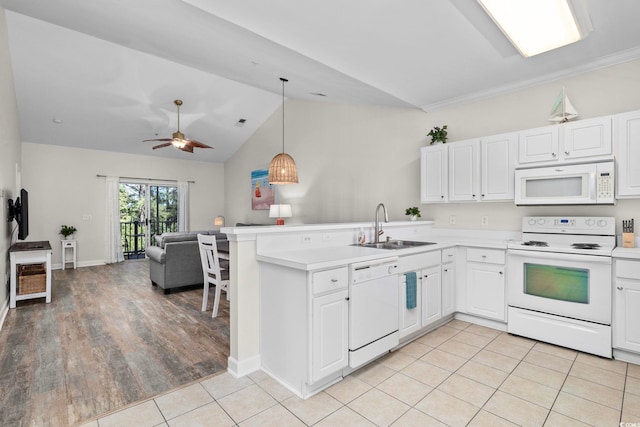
(585, 246)
(535, 243)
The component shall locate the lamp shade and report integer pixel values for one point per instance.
(282, 170)
(219, 221)
(280, 211)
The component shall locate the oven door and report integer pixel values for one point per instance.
(570, 285)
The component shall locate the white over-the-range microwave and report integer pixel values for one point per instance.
(582, 184)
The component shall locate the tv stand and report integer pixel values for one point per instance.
(29, 253)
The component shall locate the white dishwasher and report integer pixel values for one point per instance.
(373, 309)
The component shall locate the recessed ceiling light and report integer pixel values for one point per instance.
(57, 121)
(317, 94)
(241, 122)
(536, 26)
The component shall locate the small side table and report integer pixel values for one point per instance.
(29, 253)
(68, 244)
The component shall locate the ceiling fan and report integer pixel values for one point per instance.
(178, 140)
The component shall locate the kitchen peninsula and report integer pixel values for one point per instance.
(306, 266)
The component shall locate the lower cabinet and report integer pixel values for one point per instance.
(485, 283)
(626, 322)
(304, 326)
(330, 339)
(433, 295)
(448, 282)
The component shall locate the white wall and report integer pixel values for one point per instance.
(63, 187)
(350, 158)
(9, 159)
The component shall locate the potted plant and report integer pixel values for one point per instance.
(67, 231)
(438, 134)
(413, 212)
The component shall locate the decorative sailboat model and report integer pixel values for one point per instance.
(562, 110)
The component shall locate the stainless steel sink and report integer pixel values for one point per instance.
(394, 244)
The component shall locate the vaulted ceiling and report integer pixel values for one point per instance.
(103, 74)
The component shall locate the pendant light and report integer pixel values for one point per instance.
(282, 169)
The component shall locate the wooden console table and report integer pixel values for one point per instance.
(29, 253)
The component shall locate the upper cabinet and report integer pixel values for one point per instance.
(497, 163)
(464, 171)
(627, 131)
(583, 139)
(433, 170)
(467, 171)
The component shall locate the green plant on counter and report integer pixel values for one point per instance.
(67, 230)
(438, 134)
(414, 211)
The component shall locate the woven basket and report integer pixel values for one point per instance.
(32, 279)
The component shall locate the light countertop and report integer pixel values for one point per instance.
(620, 252)
(337, 256)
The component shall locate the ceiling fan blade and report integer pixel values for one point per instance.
(187, 148)
(197, 144)
(157, 139)
(162, 145)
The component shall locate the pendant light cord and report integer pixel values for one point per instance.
(283, 81)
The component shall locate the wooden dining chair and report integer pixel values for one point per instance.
(213, 272)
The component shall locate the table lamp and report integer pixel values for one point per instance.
(280, 212)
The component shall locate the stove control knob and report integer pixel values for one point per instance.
(602, 223)
(532, 221)
(590, 222)
(541, 221)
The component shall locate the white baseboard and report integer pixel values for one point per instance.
(3, 312)
(244, 367)
(90, 263)
(493, 324)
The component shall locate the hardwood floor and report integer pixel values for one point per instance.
(107, 339)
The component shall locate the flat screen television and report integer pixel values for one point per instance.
(19, 210)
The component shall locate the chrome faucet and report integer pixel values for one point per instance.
(379, 230)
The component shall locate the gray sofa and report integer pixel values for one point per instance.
(175, 261)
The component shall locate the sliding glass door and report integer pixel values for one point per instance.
(146, 210)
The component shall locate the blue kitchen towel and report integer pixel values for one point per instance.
(410, 282)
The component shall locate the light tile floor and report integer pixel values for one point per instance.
(460, 374)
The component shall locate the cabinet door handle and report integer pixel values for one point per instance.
(566, 153)
(346, 299)
(482, 195)
(442, 197)
(619, 288)
(500, 272)
(473, 195)
(334, 280)
(445, 270)
(553, 154)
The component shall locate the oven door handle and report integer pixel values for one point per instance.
(559, 256)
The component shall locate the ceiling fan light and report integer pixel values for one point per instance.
(282, 170)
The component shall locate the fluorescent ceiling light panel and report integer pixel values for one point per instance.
(534, 26)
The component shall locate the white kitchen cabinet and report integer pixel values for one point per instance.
(589, 139)
(427, 267)
(498, 156)
(330, 338)
(627, 136)
(431, 295)
(626, 322)
(586, 138)
(538, 145)
(448, 282)
(303, 326)
(464, 171)
(485, 283)
(410, 318)
(433, 174)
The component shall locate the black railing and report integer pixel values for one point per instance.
(133, 235)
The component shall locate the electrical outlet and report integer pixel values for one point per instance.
(307, 238)
(484, 220)
(452, 219)
(86, 217)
